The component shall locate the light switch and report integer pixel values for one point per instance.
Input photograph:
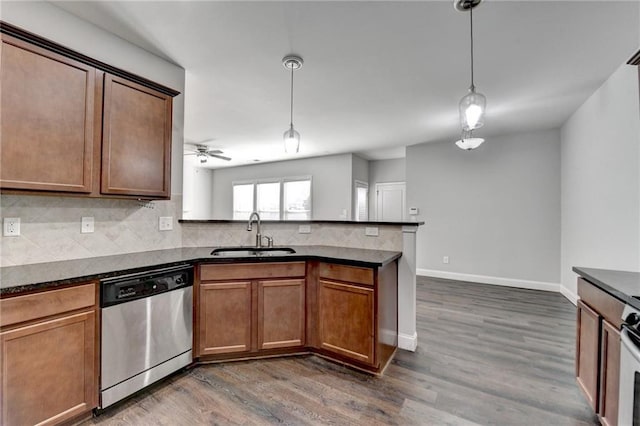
(165, 223)
(11, 227)
(87, 225)
(304, 229)
(371, 231)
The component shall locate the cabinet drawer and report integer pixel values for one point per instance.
(351, 274)
(249, 271)
(606, 305)
(39, 305)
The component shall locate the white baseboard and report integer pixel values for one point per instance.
(408, 342)
(484, 279)
(573, 298)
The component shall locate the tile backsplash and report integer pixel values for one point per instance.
(50, 227)
(50, 230)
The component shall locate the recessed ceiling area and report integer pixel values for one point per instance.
(378, 76)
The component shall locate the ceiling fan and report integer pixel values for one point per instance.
(203, 153)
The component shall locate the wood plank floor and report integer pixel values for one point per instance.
(487, 355)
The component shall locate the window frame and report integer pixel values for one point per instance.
(281, 181)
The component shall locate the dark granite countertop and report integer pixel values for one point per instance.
(623, 285)
(38, 276)
(329, 222)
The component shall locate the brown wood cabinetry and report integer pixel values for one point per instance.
(225, 317)
(70, 127)
(598, 350)
(136, 139)
(281, 313)
(238, 312)
(347, 313)
(346, 320)
(47, 119)
(49, 362)
(357, 314)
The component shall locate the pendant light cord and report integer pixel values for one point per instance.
(291, 117)
(471, 19)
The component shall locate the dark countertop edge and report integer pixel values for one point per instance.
(334, 222)
(36, 287)
(623, 297)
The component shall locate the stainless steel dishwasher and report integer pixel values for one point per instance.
(147, 329)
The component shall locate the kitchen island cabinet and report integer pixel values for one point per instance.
(251, 307)
(49, 364)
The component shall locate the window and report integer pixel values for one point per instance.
(268, 200)
(273, 199)
(242, 201)
(361, 207)
(297, 200)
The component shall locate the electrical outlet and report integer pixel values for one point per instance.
(445, 259)
(165, 223)
(87, 225)
(11, 226)
(304, 229)
(371, 231)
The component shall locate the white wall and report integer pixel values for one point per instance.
(495, 211)
(331, 184)
(384, 171)
(600, 180)
(197, 192)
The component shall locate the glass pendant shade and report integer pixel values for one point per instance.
(468, 142)
(472, 108)
(291, 141)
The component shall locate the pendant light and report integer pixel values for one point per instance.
(468, 142)
(291, 136)
(472, 106)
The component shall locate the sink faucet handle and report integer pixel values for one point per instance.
(269, 240)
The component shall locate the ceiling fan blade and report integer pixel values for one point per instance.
(222, 157)
(190, 153)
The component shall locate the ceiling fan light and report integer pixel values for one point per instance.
(291, 141)
(472, 108)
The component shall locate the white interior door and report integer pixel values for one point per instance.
(390, 201)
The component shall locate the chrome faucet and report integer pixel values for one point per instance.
(250, 228)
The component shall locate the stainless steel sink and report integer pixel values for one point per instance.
(248, 251)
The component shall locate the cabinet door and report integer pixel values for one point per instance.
(587, 352)
(281, 314)
(609, 374)
(136, 140)
(48, 370)
(346, 320)
(47, 104)
(225, 318)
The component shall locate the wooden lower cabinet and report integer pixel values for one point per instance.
(587, 352)
(346, 320)
(225, 317)
(598, 350)
(49, 367)
(248, 308)
(610, 375)
(281, 313)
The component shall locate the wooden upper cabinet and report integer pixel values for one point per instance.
(47, 104)
(136, 140)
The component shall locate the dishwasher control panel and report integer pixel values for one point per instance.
(136, 286)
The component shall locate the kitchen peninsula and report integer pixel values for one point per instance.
(346, 310)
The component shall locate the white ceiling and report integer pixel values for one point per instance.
(377, 76)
